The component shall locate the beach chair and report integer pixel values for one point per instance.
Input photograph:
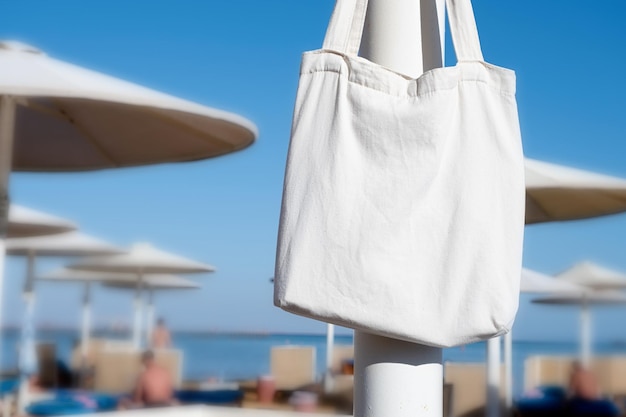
(292, 367)
(468, 382)
(117, 370)
(342, 382)
(547, 371)
(611, 371)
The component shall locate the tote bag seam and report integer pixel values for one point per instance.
(411, 96)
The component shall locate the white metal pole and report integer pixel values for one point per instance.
(86, 323)
(138, 312)
(396, 378)
(585, 335)
(508, 369)
(493, 377)
(393, 377)
(2, 260)
(150, 316)
(330, 341)
(7, 125)
(28, 354)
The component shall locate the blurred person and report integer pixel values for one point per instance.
(154, 387)
(583, 383)
(160, 337)
(586, 398)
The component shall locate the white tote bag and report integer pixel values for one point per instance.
(403, 204)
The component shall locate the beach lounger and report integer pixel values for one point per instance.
(552, 401)
(469, 384)
(68, 402)
(210, 397)
(116, 370)
(293, 367)
(342, 382)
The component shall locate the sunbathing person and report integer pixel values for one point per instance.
(586, 397)
(583, 383)
(154, 387)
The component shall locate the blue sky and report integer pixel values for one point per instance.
(243, 56)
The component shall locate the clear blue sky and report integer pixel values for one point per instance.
(244, 55)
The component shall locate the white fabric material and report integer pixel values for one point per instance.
(403, 206)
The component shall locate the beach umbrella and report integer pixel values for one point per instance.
(556, 192)
(152, 284)
(55, 116)
(140, 260)
(88, 279)
(60, 245)
(585, 300)
(532, 282)
(591, 275)
(26, 222)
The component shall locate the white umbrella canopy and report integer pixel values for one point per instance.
(534, 282)
(594, 276)
(70, 118)
(555, 193)
(65, 244)
(153, 282)
(142, 259)
(589, 297)
(26, 222)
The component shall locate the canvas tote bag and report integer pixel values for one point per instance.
(403, 202)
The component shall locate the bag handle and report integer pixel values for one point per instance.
(346, 28)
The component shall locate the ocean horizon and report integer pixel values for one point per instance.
(236, 355)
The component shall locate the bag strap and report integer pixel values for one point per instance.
(463, 30)
(346, 28)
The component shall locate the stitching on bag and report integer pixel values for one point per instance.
(498, 90)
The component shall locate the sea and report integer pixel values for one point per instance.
(232, 357)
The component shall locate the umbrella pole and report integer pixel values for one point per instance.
(493, 377)
(28, 354)
(85, 323)
(585, 335)
(150, 310)
(85, 327)
(138, 312)
(393, 377)
(7, 125)
(328, 377)
(508, 369)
